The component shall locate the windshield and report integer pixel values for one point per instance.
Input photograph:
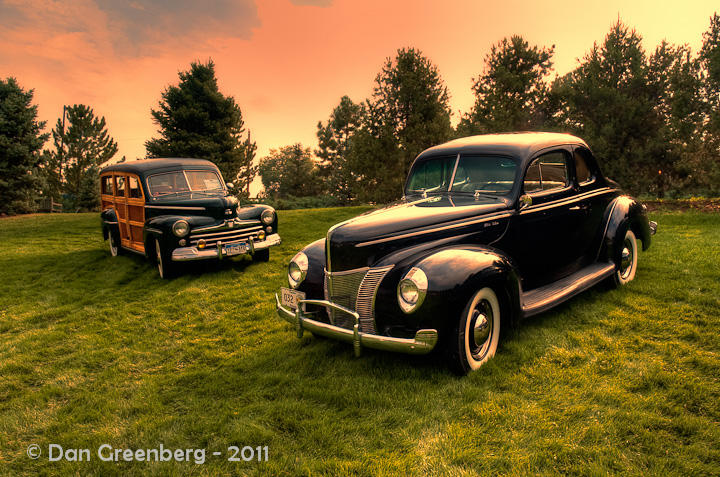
(475, 174)
(179, 182)
(431, 175)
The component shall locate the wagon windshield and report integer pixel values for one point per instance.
(185, 182)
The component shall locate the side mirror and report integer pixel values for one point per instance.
(524, 201)
(230, 185)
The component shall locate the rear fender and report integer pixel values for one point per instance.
(623, 213)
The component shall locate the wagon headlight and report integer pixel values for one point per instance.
(297, 269)
(180, 228)
(268, 216)
(412, 289)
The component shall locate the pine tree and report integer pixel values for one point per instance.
(196, 120)
(333, 148)
(289, 172)
(511, 94)
(82, 144)
(21, 140)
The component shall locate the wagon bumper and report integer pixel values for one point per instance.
(423, 343)
(187, 254)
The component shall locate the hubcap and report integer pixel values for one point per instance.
(626, 259)
(482, 327)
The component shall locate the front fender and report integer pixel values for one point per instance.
(108, 218)
(314, 283)
(623, 213)
(454, 274)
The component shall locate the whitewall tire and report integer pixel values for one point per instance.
(477, 334)
(627, 264)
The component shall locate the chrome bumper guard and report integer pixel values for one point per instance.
(653, 227)
(423, 343)
(186, 254)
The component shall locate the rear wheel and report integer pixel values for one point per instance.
(626, 263)
(262, 255)
(164, 263)
(476, 336)
(114, 243)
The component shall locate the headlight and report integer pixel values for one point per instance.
(412, 289)
(268, 216)
(180, 228)
(297, 269)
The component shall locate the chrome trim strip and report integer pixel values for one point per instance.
(547, 205)
(423, 342)
(228, 232)
(150, 229)
(452, 177)
(501, 215)
(224, 225)
(178, 207)
(111, 223)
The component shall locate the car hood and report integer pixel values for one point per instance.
(216, 207)
(361, 241)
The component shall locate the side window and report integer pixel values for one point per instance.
(134, 188)
(547, 172)
(120, 186)
(581, 167)
(106, 185)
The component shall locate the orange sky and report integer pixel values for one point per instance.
(288, 62)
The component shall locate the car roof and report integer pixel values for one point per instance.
(519, 144)
(145, 167)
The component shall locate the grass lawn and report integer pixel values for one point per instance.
(96, 350)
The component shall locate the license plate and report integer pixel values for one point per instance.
(290, 297)
(235, 249)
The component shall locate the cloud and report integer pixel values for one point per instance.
(133, 28)
(313, 3)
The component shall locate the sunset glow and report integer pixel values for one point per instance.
(287, 63)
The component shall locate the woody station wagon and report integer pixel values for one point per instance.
(179, 210)
(491, 229)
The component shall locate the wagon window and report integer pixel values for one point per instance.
(106, 185)
(134, 188)
(120, 186)
(547, 172)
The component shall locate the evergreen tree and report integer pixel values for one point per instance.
(609, 101)
(710, 60)
(21, 140)
(81, 146)
(511, 94)
(333, 147)
(196, 120)
(289, 172)
(409, 111)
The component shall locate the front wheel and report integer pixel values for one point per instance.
(475, 337)
(164, 263)
(626, 264)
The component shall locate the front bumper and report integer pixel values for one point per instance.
(423, 343)
(186, 254)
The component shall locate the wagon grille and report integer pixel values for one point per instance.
(226, 236)
(356, 290)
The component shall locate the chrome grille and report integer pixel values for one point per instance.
(226, 236)
(355, 290)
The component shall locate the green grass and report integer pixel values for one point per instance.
(99, 350)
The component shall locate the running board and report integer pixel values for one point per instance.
(543, 298)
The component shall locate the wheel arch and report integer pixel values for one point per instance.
(623, 213)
